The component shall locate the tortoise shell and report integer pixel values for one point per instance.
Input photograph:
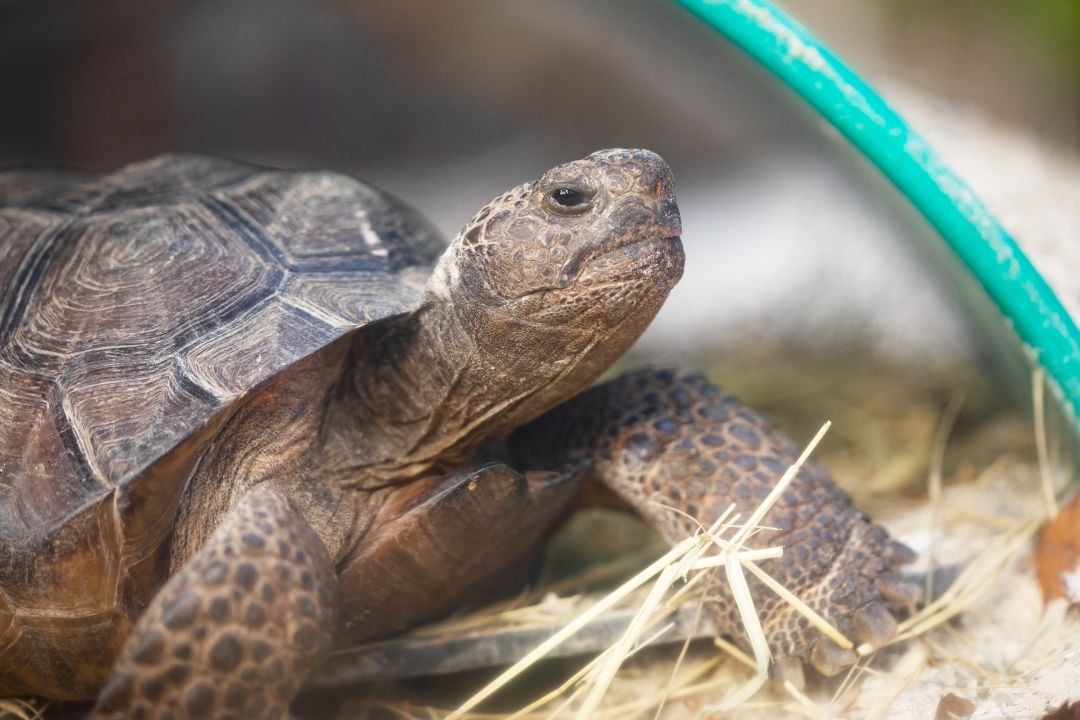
(137, 309)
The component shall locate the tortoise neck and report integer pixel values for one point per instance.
(405, 400)
(420, 394)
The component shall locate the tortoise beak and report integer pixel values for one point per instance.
(670, 219)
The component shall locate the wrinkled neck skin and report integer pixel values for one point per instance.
(424, 392)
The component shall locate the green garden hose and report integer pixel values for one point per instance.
(805, 65)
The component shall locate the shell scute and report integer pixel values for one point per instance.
(140, 306)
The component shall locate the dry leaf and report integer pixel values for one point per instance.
(1057, 554)
(1067, 711)
(953, 706)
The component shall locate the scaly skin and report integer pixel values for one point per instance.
(670, 443)
(235, 632)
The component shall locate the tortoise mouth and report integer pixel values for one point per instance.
(634, 257)
(656, 257)
(652, 265)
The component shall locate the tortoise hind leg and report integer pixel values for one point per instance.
(236, 631)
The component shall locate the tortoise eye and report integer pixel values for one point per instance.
(568, 200)
(568, 197)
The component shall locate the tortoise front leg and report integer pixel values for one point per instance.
(235, 632)
(680, 451)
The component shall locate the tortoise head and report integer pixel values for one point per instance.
(588, 243)
(540, 292)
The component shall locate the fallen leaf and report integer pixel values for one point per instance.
(1067, 711)
(951, 707)
(1057, 555)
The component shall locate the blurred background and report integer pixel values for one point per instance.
(792, 242)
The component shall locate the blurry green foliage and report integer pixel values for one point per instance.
(1049, 28)
(1054, 24)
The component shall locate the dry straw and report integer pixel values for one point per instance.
(22, 709)
(727, 536)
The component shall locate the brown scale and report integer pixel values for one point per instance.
(669, 443)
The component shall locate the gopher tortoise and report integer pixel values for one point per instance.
(247, 414)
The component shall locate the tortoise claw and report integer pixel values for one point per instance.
(789, 669)
(897, 591)
(829, 659)
(897, 553)
(873, 624)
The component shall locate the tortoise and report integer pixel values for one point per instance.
(247, 413)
